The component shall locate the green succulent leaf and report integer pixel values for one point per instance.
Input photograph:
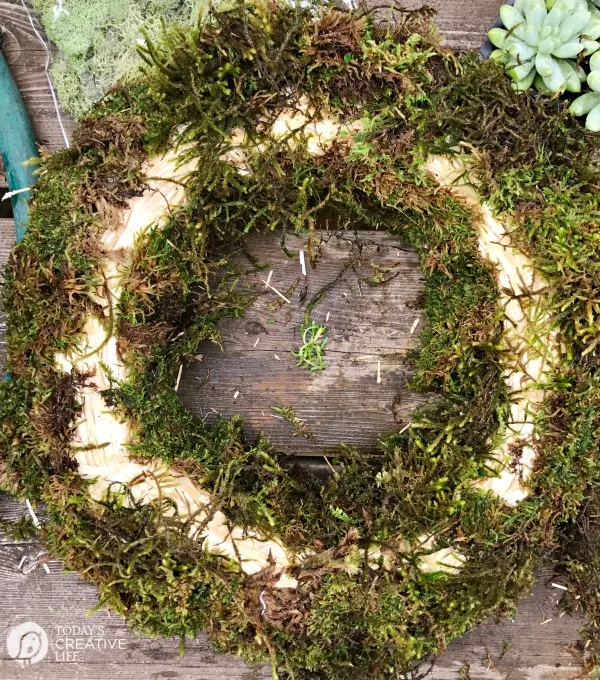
(592, 26)
(573, 25)
(580, 70)
(544, 37)
(535, 12)
(547, 46)
(555, 80)
(520, 50)
(520, 71)
(571, 75)
(592, 29)
(593, 80)
(540, 85)
(525, 83)
(510, 17)
(497, 37)
(592, 122)
(584, 104)
(590, 46)
(569, 6)
(595, 62)
(528, 34)
(568, 50)
(544, 64)
(554, 18)
(500, 57)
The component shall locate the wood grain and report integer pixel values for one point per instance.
(368, 325)
(463, 24)
(60, 602)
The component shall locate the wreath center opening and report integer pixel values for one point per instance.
(362, 298)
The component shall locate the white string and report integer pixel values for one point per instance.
(46, 67)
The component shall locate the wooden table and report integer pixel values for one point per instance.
(368, 326)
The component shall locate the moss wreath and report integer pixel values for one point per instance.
(266, 117)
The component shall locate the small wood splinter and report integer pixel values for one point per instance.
(281, 295)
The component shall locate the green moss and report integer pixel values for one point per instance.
(21, 530)
(98, 42)
(347, 618)
(314, 340)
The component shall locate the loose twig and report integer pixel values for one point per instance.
(178, 377)
(281, 295)
(302, 263)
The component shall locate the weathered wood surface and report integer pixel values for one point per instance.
(538, 645)
(369, 328)
(344, 403)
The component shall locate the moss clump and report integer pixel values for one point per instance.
(98, 42)
(349, 616)
(314, 340)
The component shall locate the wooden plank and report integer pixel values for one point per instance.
(369, 325)
(97, 646)
(524, 648)
(7, 239)
(463, 25)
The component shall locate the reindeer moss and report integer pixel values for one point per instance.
(97, 42)
(348, 618)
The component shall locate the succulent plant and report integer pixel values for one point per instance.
(542, 40)
(589, 103)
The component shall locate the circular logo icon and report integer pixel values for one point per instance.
(27, 643)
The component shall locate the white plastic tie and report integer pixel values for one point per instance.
(14, 192)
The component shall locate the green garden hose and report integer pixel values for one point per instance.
(17, 144)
